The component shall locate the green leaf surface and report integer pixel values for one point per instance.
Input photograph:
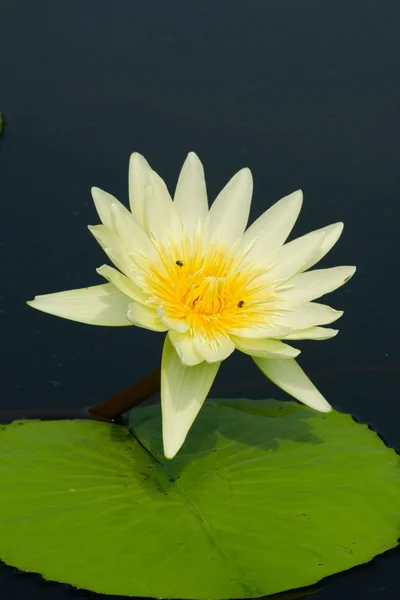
(263, 497)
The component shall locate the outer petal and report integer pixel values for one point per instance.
(215, 350)
(191, 194)
(179, 325)
(161, 218)
(132, 235)
(113, 247)
(292, 258)
(261, 332)
(97, 305)
(139, 170)
(271, 230)
(265, 348)
(184, 346)
(332, 234)
(312, 333)
(103, 202)
(145, 317)
(289, 376)
(124, 284)
(183, 391)
(229, 212)
(309, 314)
(313, 284)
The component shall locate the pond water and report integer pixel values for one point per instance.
(304, 93)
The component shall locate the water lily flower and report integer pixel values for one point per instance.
(213, 286)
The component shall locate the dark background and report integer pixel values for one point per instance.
(305, 93)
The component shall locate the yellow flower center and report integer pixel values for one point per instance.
(207, 287)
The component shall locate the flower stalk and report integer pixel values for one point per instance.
(110, 410)
(120, 403)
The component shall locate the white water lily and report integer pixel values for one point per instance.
(195, 273)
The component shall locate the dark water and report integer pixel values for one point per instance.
(304, 93)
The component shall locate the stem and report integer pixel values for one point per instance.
(123, 401)
(109, 410)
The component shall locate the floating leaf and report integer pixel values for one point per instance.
(263, 497)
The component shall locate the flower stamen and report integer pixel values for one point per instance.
(216, 281)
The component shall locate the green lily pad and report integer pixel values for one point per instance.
(263, 497)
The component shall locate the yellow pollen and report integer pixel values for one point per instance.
(215, 290)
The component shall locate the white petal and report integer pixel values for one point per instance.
(191, 194)
(312, 333)
(179, 325)
(292, 258)
(271, 230)
(214, 350)
(145, 317)
(123, 283)
(103, 201)
(261, 332)
(139, 170)
(161, 217)
(96, 305)
(183, 391)
(184, 346)
(113, 247)
(313, 284)
(229, 212)
(289, 376)
(132, 235)
(265, 348)
(332, 234)
(309, 314)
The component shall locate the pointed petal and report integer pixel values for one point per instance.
(138, 179)
(270, 231)
(123, 283)
(112, 246)
(265, 348)
(309, 314)
(103, 202)
(292, 258)
(332, 234)
(229, 212)
(170, 322)
(145, 317)
(184, 346)
(215, 350)
(260, 332)
(313, 284)
(96, 305)
(132, 235)
(191, 194)
(312, 333)
(183, 391)
(289, 376)
(161, 218)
